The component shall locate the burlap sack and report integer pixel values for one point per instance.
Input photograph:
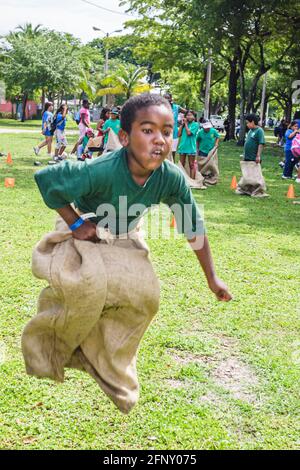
(198, 182)
(209, 167)
(100, 300)
(113, 142)
(252, 182)
(94, 144)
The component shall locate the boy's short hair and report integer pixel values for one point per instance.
(252, 118)
(134, 104)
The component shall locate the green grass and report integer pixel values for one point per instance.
(188, 398)
(33, 124)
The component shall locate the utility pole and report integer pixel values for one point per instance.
(104, 99)
(207, 87)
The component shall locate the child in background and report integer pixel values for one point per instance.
(113, 123)
(207, 139)
(46, 129)
(84, 123)
(290, 160)
(61, 140)
(82, 152)
(255, 140)
(187, 147)
(104, 116)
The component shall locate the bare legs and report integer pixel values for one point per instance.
(191, 164)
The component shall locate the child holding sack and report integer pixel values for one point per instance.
(103, 292)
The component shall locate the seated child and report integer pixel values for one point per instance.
(139, 174)
(83, 152)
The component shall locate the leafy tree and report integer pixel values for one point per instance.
(49, 62)
(125, 81)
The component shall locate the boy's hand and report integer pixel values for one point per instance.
(87, 232)
(219, 288)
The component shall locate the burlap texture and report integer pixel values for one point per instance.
(252, 182)
(100, 300)
(209, 167)
(113, 142)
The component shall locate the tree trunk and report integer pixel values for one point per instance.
(232, 93)
(43, 99)
(288, 110)
(24, 103)
(242, 133)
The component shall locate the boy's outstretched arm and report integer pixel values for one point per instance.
(216, 285)
(86, 231)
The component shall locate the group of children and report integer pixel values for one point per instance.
(88, 142)
(54, 124)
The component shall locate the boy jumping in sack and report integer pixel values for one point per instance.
(103, 292)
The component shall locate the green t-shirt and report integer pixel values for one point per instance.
(102, 181)
(207, 139)
(188, 142)
(114, 124)
(254, 138)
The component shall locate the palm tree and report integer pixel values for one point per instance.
(29, 31)
(126, 81)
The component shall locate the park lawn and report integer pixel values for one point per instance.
(33, 124)
(212, 375)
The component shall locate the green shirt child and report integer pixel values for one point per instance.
(207, 140)
(188, 142)
(255, 137)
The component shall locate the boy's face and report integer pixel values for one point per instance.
(113, 116)
(190, 117)
(151, 137)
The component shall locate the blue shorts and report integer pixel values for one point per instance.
(202, 154)
(192, 154)
(47, 133)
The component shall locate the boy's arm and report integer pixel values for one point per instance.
(86, 231)
(216, 285)
(259, 152)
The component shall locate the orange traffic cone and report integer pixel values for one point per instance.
(291, 192)
(233, 183)
(9, 159)
(9, 182)
(173, 222)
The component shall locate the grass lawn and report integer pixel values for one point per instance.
(34, 124)
(212, 375)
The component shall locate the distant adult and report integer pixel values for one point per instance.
(255, 140)
(226, 128)
(282, 130)
(84, 122)
(176, 110)
(47, 120)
